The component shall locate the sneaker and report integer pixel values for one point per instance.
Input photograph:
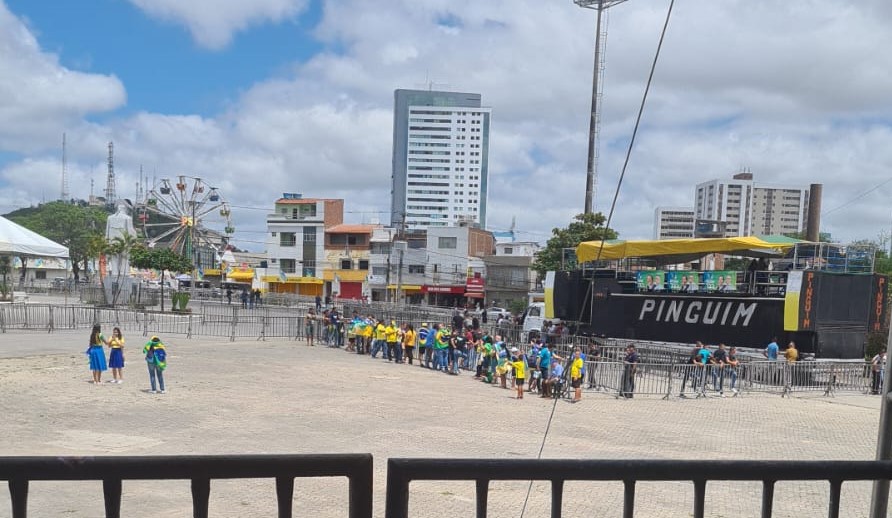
(734, 391)
(164, 392)
(152, 392)
(683, 396)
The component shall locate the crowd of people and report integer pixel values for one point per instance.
(461, 345)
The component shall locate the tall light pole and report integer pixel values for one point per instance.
(594, 123)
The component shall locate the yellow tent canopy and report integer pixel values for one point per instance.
(686, 249)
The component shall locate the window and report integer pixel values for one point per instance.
(346, 264)
(447, 242)
(346, 239)
(416, 268)
(363, 264)
(287, 265)
(309, 234)
(379, 270)
(274, 234)
(273, 260)
(509, 250)
(287, 239)
(40, 275)
(380, 248)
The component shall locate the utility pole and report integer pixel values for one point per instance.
(66, 196)
(591, 178)
(879, 499)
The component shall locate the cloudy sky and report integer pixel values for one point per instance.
(268, 96)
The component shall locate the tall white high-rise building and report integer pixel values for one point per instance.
(440, 159)
(742, 207)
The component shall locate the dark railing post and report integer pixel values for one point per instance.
(285, 496)
(557, 498)
(18, 495)
(482, 497)
(767, 498)
(397, 499)
(201, 495)
(628, 499)
(835, 489)
(699, 498)
(111, 492)
(361, 485)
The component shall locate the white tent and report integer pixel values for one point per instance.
(18, 240)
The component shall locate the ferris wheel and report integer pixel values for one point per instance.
(185, 215)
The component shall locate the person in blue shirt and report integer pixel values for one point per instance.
(545, 357)
(770, 352)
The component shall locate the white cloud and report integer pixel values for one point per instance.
(797, 95)
(213, 23)
(39, 98)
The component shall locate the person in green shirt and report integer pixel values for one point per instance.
(441, 347)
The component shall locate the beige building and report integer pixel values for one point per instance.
(744, 207)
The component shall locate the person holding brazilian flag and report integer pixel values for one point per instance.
(156, 360)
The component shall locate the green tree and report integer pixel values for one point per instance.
(74, 226)
(163, 259)
(584, 227)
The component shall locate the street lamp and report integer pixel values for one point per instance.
(594, 123)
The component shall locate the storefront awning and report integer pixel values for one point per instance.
(275, 279)
(405, 287)
(346, 275)
(473, 295)
(241, 275)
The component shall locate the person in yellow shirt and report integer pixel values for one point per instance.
(520, 371)
(576, 375)
(367, 333)
(409, 339)
(380, 339)
(391, 333)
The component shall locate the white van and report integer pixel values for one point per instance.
(534, 318)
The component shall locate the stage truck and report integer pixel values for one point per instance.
(823, 296)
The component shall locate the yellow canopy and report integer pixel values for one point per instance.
(750, 246)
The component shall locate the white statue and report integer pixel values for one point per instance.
(119, 224)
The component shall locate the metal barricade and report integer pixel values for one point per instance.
(401, 472)
(200, 470)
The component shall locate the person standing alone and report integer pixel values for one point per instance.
(156, 360)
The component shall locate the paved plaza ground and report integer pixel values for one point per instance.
(283, 397)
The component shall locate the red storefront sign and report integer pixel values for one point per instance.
(475, 285)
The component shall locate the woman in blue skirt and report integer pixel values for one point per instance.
(116, 356)
(97, 354)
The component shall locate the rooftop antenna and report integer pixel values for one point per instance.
(110, 183)
(591, 179)
(65, 194)
(429, 83)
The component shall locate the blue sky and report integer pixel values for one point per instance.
(164, 70)
(262, 97)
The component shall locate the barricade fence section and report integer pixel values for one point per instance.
(401, 472)
(200, 470)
